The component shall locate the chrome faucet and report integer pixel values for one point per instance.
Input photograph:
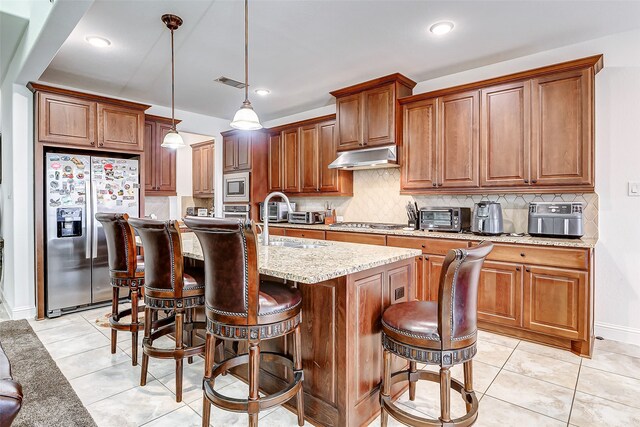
(265, 214)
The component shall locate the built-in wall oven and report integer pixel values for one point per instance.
(236, 211)
(236, 187)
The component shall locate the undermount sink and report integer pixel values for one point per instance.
(296, 245)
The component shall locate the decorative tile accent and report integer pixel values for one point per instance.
(377, 198)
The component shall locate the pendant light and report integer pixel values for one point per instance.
(172, 139)
(246, 118)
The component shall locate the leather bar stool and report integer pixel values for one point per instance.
(170, 289)
(126, 270)
(442, 333)
(240, 307)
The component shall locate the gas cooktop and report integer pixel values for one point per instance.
(370, 225)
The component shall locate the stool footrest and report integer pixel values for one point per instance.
(128, 327)
(171, 353)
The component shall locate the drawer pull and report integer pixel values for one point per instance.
(528, 270)
(517, 268)
(424, 246)
(521, 254)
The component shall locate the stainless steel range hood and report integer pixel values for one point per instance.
(368, 158)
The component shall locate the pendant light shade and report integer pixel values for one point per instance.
(172, 139)
(245, 118)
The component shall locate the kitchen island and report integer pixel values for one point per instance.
(345, 288)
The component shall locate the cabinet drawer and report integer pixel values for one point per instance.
(367, 239)
(556, 257)
(427, 245)
(307, 234)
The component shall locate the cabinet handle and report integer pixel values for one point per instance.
(526, 181)
(522, 254)
(100, 144)
(440, 184)
(426, 257)
(534, 181)
(517, 268)
(423, 246)
(434, 184)
(92, 143)
(528, 270)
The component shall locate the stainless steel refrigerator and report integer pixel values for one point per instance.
(77, 273)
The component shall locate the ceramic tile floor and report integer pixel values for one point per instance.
(518, 383)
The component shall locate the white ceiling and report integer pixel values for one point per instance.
(301, 50)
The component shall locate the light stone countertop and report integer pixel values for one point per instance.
(314, 265)
(524, 240)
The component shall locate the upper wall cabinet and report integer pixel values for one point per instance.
(237, 151)
(159, 162)
(203, 169)
(366, 112)
(526, 132)
(74, 119)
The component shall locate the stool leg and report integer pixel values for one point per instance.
(192, 338)
(114, 314)
(189, 327)
(209, 361)
(386, 386)
(134, 326)
(468, 380)
(220, 349)
(179, 331)
(254, 373)
(445, 394)
(147, 335)
(297, 366)
(412, 384)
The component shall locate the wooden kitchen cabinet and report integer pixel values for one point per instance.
(291, 160)
(500, 293)
(120, 128)
(202, 155)
(275, 163)
(237, 150)
(434, 265)
(364, 238)
(159, 162)
(304, 233)
(419, 149)
(366, 112)
(331, 180)
(309, 156)
(66, 120)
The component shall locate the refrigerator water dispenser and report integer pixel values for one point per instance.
(69, 222)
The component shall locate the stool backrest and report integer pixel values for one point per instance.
(163, 262)
(458, 295)
(232, 281)
(121, 246)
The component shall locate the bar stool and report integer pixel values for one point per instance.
(168, 288)
(127, 272)
(442, 333)
(241, 307)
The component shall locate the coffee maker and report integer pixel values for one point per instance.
(487, 219)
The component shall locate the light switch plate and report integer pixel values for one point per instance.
(634, 189)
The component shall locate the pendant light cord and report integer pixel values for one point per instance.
(173, 88)
(246, 50)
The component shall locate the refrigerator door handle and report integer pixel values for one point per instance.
(88, 219)
(94, 232)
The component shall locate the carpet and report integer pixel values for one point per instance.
(49, 399)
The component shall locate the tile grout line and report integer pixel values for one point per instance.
(575, 391)
(171, 412)
(526, 409)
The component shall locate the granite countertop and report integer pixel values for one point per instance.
(524, 240)
(313, 265)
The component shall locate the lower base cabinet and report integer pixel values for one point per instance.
(500, 293)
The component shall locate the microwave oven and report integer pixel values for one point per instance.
(236, 187)
(445, 219)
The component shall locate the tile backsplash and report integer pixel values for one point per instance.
(377, 198)
(160, 206)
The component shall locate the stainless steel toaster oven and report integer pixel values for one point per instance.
(445, 219)
(306, 217)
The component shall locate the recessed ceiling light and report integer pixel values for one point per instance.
(262, 92)
(440, 28)
(98, 41)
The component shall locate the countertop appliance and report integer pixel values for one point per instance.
(77, 187)
(556, 219)
(445, 219)
(236, 187)
(237, 211)
(307, 217)
(203, 212)
(192, 211)
(278, 211)
(487, 219)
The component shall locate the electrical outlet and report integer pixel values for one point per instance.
(634, 189)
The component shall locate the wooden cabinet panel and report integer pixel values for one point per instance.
(209, 166)
(160, 163)
(422, 278)
(66, 120)
(379, 123)
(427, 245)
(196, 167)
(291, 160)
(277, 231)
(328, 152)
(304, 233)
(309, 173)
(275, 163)
(555, 257)
(562, 129)
(555, 302)
(419, 145)
(166, 162)
(458, 140)
(505, 135)
(149, 156)
(203, 169)
(434, 269)
(400, 284)
(500, 293)
(120, 128)
(349, 118)
(346, 236)
(230, 153)
(243, 151)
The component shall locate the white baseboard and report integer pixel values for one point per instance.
(17, 313)
(617, 333)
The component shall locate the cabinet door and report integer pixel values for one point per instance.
(505, 135)
(328, 152)
(419, 145)
(208, 169)
(66, 120)
(379, 123)
(309, 174)
(458, 143)
(275, 163)
(349, 121)
(555, 302)
(120, 128)
(562, 126)
(244, 151)
(149, 156)
(500, 293)
(422, 278)
(196, 167)
(165, 162)
(291, 160)
(230, 153)
(434, 269)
